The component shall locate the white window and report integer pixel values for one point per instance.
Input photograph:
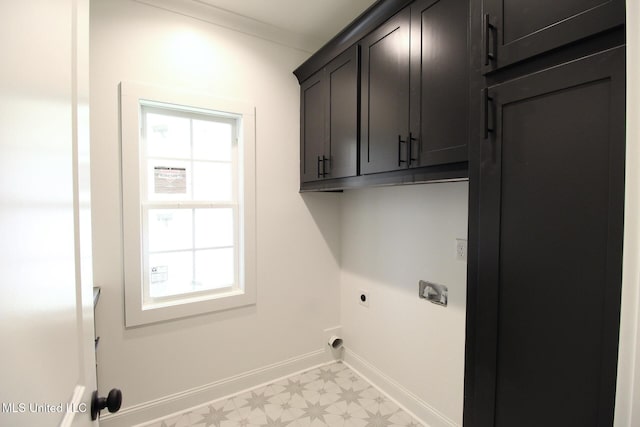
(188, 177)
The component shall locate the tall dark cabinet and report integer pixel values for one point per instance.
(546, 214)
(550, 243)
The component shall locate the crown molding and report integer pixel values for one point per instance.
(233, 21)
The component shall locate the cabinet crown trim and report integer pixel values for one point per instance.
(368, 21)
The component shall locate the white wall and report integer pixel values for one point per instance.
(298, 241)
(391, 238)
(628, 386)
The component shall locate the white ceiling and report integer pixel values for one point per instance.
(318, 20)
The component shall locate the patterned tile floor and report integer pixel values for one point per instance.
(332, 395)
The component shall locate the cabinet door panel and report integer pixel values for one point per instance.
(385, 96)
(439, 82)
(518, 29)
(550, 245)
(342, 111)
(312, 127)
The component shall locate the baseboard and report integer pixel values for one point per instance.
(408, 401)
(183, 401)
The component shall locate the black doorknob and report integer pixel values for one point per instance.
(112, 402)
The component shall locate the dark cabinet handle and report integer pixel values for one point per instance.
(487, 29)
(322, 160)
(488, 107)
(411, 158)
(112, 402)
(400, 142)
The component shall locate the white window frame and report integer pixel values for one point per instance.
(139, 311)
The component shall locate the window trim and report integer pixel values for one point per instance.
(132, 96)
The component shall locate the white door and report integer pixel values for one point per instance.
(47, 359)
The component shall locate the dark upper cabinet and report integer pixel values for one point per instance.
(439, 82)
(342, 114)
(414, 88)
(393, 108)
(312, 127)
(329, 120)
(551, 204)
(517, 29)
(385, 96)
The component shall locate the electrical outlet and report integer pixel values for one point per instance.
(461, 249)
(363, 298)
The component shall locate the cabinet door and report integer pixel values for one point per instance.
(550, 247)
(385, 96)
(342, 115)
(312, 127)
(518, 29)
(439, 82)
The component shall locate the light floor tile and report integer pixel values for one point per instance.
(329, 396)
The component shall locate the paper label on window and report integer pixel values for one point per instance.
(159, 274)
(170, 180)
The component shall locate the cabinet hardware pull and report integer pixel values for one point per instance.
(324, 166)
(488, 28)
(400, 142)
(319, 160)
(410, 156)
(488, 100)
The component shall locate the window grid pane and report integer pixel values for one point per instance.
(167, 136)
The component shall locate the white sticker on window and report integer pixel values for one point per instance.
(159, 274)
(170, 180)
